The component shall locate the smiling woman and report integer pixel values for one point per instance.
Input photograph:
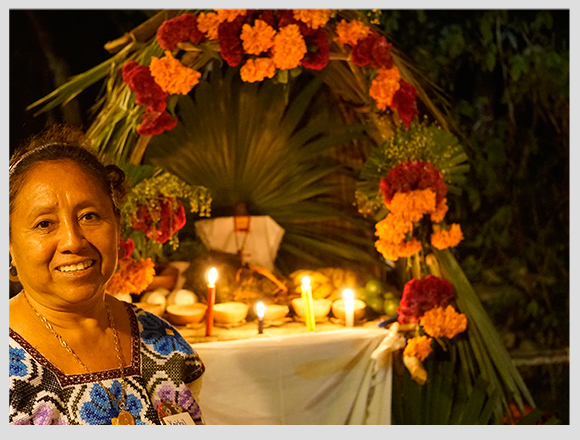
(78, 355)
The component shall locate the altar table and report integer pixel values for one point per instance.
(315, 378)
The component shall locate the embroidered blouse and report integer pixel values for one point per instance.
(163, 364)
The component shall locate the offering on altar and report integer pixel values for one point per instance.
(230, 312)
(275, 312)
(338, 310)
(183, 314)
(321, 308)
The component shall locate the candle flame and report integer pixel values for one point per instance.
(306, 282)
(212, 276)
(348, 295)
(260, 310)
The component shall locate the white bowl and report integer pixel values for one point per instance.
(338, 309)
(230, 312)
(274, 312)
(183, 314)
(321, 308)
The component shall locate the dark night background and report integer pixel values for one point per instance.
(506, 77)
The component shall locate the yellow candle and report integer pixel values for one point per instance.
(348, 307)
(308, 304)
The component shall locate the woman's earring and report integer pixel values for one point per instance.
(13, 273)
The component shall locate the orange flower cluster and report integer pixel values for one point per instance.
(229, 14)
(258, 38)
(350, 32)
(131, 277)
(208, 23)
(406, 208)
(442, 239)
(441, 321)
(172, 76)
(384, 86)
(289, 47)
(418, 347)
(257, 70)
(314, 18)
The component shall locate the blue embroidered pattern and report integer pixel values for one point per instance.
(162, 363)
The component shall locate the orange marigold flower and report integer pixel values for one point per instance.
(440, 211)
(443, 322)
(131, 277)
(313, 18)
(257, 70)
(229, 14)
(393, 251)
(289, 47)
(442, 239)
(172, 76)
(418, 347)
(384, 86)
(412, 205)
(350, 33)
(258, 38)
(393, 228)
(208, 23)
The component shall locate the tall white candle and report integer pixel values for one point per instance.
(260, 313)
(348, 307)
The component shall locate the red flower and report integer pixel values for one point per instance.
(155, 122)
(373, 51)
(411, 175)
(419, 296)
(129, 246)
(318, 51)
(178, 29)
(162, 222)
(229, 40)
(268, 17)
(404, 102)
(140, 81)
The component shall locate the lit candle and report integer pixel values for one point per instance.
(260, 313)
(308, 304)
(348, 307)
(211, 280)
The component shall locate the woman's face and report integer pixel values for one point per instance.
(64, 235)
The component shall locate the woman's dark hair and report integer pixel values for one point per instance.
(64, 142)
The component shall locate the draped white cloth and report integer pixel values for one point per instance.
(260, 245)
(319, 378)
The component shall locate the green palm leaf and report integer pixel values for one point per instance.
(240, 141)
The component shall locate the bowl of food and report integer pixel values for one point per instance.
(183, 314)
(230, 312)
(321, 308)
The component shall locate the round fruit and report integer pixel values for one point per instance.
(390, 307)
(376, 303)
(388, 295)
(374, 287)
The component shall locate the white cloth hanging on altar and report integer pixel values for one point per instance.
(260, 244)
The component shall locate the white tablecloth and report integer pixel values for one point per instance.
(320, 378)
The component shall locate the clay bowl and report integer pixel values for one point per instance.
(338, 309)
(274, 312)
(230, 312)
(183, 314)
(321, 308)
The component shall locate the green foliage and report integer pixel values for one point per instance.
(244, 143)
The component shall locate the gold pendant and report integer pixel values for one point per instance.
(124, 418)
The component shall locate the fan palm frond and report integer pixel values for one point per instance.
(238, 140)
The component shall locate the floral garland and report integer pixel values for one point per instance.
(263, 44)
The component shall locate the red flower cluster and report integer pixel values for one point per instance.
(411, 175)
(373, 51)
(148, 94)
(404, 102)
(177, 30)
(419, 296)
(229, 40)
(318, 50)
(161, 222)
(129, 246)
